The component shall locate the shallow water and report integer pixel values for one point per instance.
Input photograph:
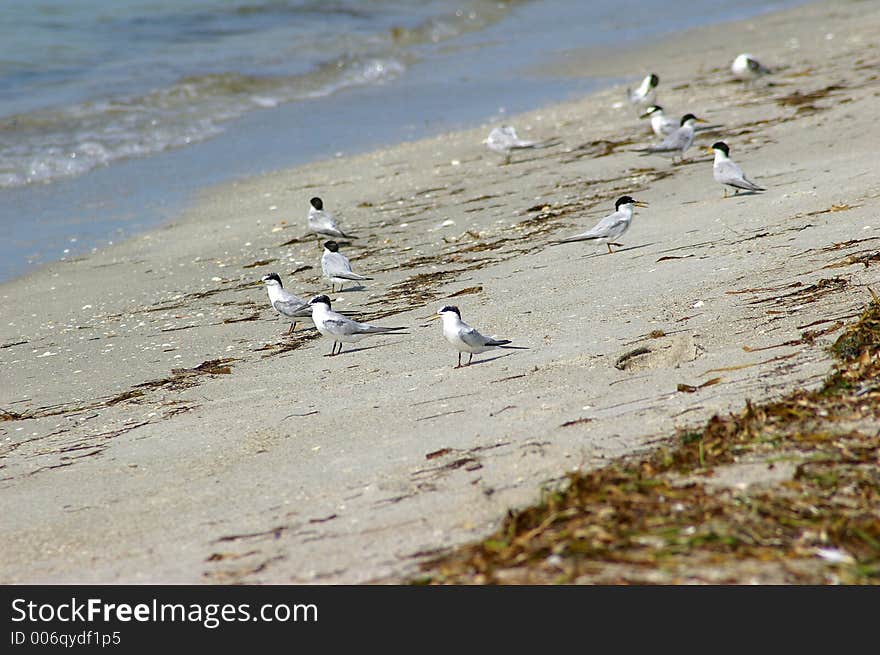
(112, 112)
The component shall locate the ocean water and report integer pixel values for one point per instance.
(113, 112)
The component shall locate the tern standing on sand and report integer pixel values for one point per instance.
(727, 173)
(466, 339)
(745, 67)
(337, 268)
(284, 302)
(322, 223)
(340, 329)
(662, 124)
(612, 226)
(645, 94)
(504, 141)
(677, 143)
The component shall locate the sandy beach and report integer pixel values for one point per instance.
(160, 427)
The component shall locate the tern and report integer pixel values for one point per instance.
(340, 329)
(337, 268)
(662, 124)
(676, 143)
(322, 223)
(466, 339)
(612, 226)
(727, 173)
(504, 141)
(284, 302)
(646, 92)
(745, 67)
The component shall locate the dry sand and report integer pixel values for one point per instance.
(117, 467)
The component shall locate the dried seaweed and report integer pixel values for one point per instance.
(622, 362)
(180, 378)
(261, 262)
(797, 98)
(657, 518)
(466, 291)
(689, 388)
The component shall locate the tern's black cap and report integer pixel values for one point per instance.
(273, 276)
(688, 117)
(332, 246)
(317, 203)
(450, 308)
(723, 147)
(654, 79)
(320, 299)
(623, 200)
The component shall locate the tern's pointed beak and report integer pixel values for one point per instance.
(710, 149)
(702, 120)
(432, 317)
(639, 203)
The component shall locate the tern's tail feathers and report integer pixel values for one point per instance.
(546, 143)
(497, 342)
(577, 237)
(748, 185)
(302, 310)
(703, 128)
(514, 347)
(381, 329)
(350, 276)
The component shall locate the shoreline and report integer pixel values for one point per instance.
(252, 470)
(117, 202)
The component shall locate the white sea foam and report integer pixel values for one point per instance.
(58, 143)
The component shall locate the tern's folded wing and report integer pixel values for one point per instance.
(473, 338)
(335, 264)
(675, 141)
(729, 173)
(292, 307)
(341, 326)
(603, 229)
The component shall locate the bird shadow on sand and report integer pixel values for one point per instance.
(619, 249)
(514, 160)
(362, 348)
(359, 287)
(741, 194)
(690, 161)
(486, 360)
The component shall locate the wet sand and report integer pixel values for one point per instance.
(162, 428)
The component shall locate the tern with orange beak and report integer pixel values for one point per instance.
(677, 143)
(612, 226)
(340, 329)
(466, 339)
(727, 173)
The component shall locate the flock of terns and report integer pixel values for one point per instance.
(676, 138)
